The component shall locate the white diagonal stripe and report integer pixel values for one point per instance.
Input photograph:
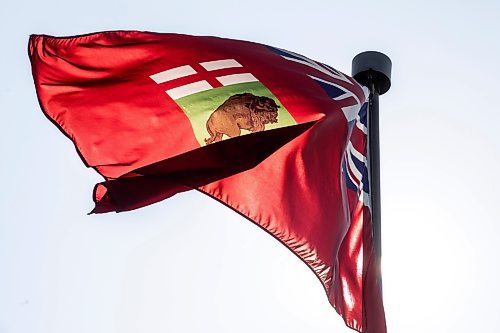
(319, 68)
(365, 199)
(348, 92)
(354, 170)
(173, 73)
(356, 153)
(355, 181)
(360, 125)
(294, 54)
(344, 96)
(220, 64)
(189, 89)
(228, 80)
(350, 112)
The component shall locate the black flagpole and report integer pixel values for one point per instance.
(373, 70)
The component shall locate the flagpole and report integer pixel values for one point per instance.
(373, 70)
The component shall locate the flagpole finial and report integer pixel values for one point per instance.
(372, 67)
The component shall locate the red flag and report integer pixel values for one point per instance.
(276, 136)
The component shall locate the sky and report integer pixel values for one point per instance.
(189, 264)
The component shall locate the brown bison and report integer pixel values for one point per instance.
(241, 111)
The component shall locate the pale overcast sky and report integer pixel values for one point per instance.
(189, 264)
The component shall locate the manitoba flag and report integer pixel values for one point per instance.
(274, 135)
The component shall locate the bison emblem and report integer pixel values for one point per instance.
(241, 111)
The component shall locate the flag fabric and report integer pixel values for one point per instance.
(274, 135)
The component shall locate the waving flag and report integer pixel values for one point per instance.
(274, 135)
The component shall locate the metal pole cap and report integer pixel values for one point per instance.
(373, 67)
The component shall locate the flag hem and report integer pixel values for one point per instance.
(301, 258)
